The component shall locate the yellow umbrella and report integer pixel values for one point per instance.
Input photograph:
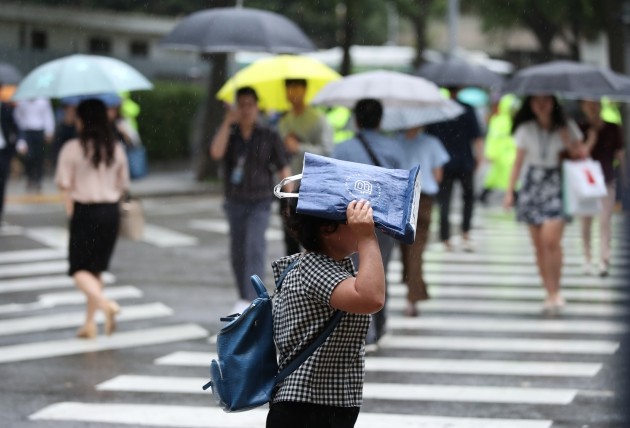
(267, 77)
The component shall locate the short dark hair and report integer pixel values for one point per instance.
(368, 113)
(246, 90)
(301, 82)
(305, 229)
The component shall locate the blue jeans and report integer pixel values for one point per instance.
(248, 250)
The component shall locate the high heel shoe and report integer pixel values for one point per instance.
(111, 310)
(87, 331)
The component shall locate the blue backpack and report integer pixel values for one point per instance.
(246, 371)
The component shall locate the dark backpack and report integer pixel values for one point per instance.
(246, 371)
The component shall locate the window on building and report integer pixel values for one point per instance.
(39, 40)
(139, 48)
(99, 45)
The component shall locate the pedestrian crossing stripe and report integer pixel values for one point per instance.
(32, 269)
(210, 417)
(498, 258)
(471, 278)
(376, 391)
(505, 307)
(511, 293)
(222, 227)
(501, 344)
(76, 319)
(428, 365)
(163, 237)
(499, 325)
(50, 300)
(57, 237)
(44, 283)
(23, 256)
(120, 340)
(490, 270)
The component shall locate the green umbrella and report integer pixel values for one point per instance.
(80, 75)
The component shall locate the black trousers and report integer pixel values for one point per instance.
(289, 414)
(34, 159)
(466, 179)
(6, 155)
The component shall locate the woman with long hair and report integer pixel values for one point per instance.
(542, 134)
(92, 174)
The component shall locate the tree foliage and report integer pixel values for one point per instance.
(567, 20)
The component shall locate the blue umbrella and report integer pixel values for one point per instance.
(80, 75)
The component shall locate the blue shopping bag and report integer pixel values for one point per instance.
(329, 185)
(137, 159)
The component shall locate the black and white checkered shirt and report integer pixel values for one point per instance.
(333, 375)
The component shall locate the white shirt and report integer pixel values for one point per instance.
(35, 115)
(542, 148)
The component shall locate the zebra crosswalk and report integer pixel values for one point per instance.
(481, 354)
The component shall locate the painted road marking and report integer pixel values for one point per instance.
(44, 283)
(511, 293)
(429, 365)
(471, 278)
(379, 391)
(496, 325)
(76, 319)
(222, 227)
(485, 344)
(506, 307)
(35, 268)
(208, 417)
(163, 237)
(54, 237)
(36, 255)
(50, 300)
(126, 339)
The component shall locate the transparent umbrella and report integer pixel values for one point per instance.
(80, 75)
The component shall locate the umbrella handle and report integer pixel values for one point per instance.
(281, 195)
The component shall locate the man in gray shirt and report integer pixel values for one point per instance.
(303, 129)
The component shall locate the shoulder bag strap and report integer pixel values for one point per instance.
(303, 356)
(368, 149)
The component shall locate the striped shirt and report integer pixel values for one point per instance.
(333, 375)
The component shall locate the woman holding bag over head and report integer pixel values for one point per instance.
(92, 174)
(542, 132)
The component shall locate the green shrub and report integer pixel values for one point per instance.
(166, 118)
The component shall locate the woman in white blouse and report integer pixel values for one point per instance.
(92, 174)
(542, 134)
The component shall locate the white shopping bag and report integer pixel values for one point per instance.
(585, 178)
(578, 180)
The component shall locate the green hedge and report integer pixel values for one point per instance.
(166, 118)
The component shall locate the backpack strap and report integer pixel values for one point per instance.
(303, 356)
(285, 272)
(368, 149)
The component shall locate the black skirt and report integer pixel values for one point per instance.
(93, 233)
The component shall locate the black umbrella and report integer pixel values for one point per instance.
(234, 29)
(569, 79)
(9, 75)
(457, 72)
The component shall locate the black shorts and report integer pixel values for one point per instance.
(93, 234)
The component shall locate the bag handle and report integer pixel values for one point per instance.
(277, 189)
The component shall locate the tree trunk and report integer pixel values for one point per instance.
(613, 25)
(348, 37)
(210, 118)
(420, 26)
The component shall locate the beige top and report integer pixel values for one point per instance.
(86, 184)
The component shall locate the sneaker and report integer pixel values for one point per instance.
(468, 246)
(448, 247)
